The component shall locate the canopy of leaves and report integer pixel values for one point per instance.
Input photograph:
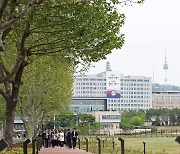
(48, 86)
(80, 31)
(130, 119)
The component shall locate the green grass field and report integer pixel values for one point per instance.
(154, 145)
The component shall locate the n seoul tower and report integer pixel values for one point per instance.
(165, 67)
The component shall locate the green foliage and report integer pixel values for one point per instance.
(129, 119)
(178, 119)
(51, 81)
(66, 120)
(2, 109)
(88, 124)
(172, 119)
(157, 122)
(171, 113)
(75, 31)
(85, 123)
(45, 92)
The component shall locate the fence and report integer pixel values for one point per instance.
(25, 147)
(107, 144)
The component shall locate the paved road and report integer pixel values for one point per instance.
(62, 150)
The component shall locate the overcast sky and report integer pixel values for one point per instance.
(149, 29)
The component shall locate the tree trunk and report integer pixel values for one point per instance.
(30, 131)
(9, 123)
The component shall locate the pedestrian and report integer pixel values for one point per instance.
(61, 138)
(46, 138)
(65, 136)
(74, 137)
(54, 138)
(69, 138)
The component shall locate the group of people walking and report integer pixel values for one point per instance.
(60, 138)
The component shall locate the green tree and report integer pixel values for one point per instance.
(130, 119)
(172, 119)
(178, 119)
(79, 31)
(157, 121)
(88, 124)
(66, 120)
(62, 119)
(44, 93)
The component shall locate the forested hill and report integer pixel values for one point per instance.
(164, 87)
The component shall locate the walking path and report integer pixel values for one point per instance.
(62, 150)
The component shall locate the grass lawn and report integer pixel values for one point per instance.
(154, 145)
(134, 145)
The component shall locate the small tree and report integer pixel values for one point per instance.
(172, 119)
(157, 121)
(178, 119)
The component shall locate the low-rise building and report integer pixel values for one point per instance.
(109, 119)
(166, 99)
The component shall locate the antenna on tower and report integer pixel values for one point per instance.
(165, 67)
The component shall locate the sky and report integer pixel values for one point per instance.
(150, 29)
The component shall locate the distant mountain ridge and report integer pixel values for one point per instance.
(164, 87)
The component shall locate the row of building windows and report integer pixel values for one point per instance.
(111, 117)
(115, 105)
(159, 96)
(135, 80)
(102, 79)
(127, 109)
(91, 88)
(134, 84)
(90, 79)
(90, 83)
(99, 83)
(125, 88)
(90, 92)
(127, 92)
(116, 101)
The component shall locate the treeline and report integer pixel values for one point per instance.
(165, 87)
(85, 123)
(152, 117)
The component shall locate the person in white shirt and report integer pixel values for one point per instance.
(61, 138)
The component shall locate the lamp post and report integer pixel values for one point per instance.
(54, 122)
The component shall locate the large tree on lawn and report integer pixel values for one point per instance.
(80, 31)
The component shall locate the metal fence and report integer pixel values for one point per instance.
(35, 145)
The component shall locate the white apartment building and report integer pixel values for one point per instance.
(119, 92)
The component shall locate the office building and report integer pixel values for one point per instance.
(166, 99)
(112, 91)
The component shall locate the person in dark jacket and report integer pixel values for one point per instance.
(69, 138)
(46, 138)
(74, 137)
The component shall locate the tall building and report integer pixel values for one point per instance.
(112, 91)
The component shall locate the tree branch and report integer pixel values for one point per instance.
(9, 23)
(21, 14)
(3, 94)
(24, 37)
(48, 43)
(42, 53)
(3, 7)
(14, 70)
